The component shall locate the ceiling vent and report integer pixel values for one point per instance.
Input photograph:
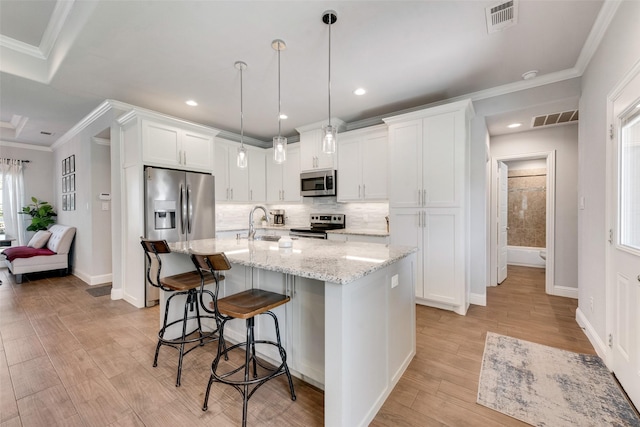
(555, 119)
(502, 15)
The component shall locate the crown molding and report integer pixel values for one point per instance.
(101, 141)
(603, 20)
(25, 146)
(102, 109)
(232, 136)
(21, 47)
(54, 28)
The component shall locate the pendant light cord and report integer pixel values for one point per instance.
(241, 113)
(279, 101)
(330, 19)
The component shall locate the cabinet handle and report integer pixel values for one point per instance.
(424, 197)
(358, 191)
(227, 193)
(232, 194)
(419, 219)
(364, 190)
(419, 197)
(184, 157)
(424, 220)
(250, 194)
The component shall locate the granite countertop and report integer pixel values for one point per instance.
(338, 262)
(360, 232)
(257, 227)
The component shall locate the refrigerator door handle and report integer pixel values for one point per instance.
(183, 208)
(189, 210)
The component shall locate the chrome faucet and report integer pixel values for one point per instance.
(252, 231)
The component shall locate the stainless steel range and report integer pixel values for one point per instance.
(320, 223)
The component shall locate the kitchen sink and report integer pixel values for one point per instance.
(268, 238)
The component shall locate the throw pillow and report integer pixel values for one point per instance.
(39, 239)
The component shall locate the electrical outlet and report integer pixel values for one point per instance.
(394, 281)
(591, 304)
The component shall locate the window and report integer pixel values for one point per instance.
(1, 215)
(629, 197)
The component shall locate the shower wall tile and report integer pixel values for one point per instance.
(527, 208)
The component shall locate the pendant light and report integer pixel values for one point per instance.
(242, 152)
(279, 142)
(330, 133)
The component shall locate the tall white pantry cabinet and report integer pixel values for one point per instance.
(429, 199)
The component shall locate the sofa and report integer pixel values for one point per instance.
(47, 250)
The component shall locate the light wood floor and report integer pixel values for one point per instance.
(71, 359)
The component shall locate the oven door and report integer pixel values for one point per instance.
(308, 234)
(318, 183)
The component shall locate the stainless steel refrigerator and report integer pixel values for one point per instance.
(179, 206)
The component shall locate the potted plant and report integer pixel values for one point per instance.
(41, 214)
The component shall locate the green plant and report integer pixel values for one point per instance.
(41, 214)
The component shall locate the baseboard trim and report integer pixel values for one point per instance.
(92, 280)
(478, 299)
(117, 294)
(599, 346)
(565, 291)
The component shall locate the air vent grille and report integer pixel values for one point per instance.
(555, 119)
(501, 16)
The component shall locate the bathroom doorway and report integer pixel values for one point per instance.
(524, 220)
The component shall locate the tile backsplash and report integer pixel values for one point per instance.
(358, 215)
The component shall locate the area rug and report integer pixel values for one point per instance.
(545, 386)
(100, 291)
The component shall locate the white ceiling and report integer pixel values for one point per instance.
(61, 59)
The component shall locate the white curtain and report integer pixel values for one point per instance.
(13, 198)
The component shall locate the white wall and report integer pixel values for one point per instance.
(616, 55)
(92, 254)
(564, 140)
(101, 219)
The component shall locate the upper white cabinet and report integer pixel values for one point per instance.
(239, 185)
(283, 180)
(428, 158)
(428, 154)
(175, 146)
(257, 174)
(363, 165)
(311, 155)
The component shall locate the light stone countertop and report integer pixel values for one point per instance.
(338, 262)
(360, 232)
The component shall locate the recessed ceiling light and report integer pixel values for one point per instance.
(514, 125)
(191, 103)
(530, 74)
(360, 91)
(283, 116)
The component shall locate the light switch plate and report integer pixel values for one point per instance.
(394, 281)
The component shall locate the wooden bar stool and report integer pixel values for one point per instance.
(243, 305)
(190, 284)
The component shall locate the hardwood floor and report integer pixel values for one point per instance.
(71, 359)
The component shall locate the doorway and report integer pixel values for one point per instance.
(497, 259)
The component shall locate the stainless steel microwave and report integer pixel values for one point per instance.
(320, 182)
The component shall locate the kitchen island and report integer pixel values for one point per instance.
(350, 325)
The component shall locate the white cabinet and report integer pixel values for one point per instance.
(307, 326)
(301, 322)
(283, 180)
(438, 234)
(428, 157)
(428, 206)
(176, 147)
(257, 175)
(363, 165)
(311, 155)
(234, 184)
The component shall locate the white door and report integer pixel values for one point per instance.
(624, 274)
(503, 199)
